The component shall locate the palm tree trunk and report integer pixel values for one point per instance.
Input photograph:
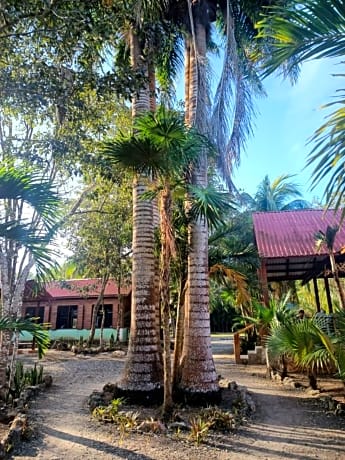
(143, 375)
(179, 334)
(166, 244)
(187, 82)
(198, 382)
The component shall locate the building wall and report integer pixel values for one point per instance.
(85, 307)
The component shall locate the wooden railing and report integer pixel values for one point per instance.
(237, 342)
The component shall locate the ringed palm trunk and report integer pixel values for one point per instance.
(143, 376)
(198, 382)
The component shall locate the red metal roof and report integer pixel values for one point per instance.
(81, 288)
(291, 233)
(286, 244)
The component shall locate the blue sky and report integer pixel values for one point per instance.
(286, 119)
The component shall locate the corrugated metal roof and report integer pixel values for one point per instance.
(291, 233)
(76, 289)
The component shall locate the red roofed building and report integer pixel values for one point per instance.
(69, 304)
(287, 248)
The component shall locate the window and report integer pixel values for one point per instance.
(108, 318)
(35, 312)
(67, 317)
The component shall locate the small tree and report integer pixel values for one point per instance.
(101, 237)
(23, 191)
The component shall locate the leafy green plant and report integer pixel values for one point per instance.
(18, 382)
(218, 419)
(108, 413)
(34, 376)
(199, 429)
(23, 378)
(126, 421)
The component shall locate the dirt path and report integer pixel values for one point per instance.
(287, 424)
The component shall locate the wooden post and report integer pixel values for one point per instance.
(317, 297)
(262, 275)
(237, 348)
(328, 295)
(237, 342)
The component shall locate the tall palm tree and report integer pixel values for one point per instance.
(153, 46)
(298, 32)
(276, 195)
(228, 128)
(163, 146)
(196, 18)
(143, 372)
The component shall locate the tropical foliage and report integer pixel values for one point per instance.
(19, 325)
(279, 195)
(100, 234)
(300, 32)
(28, 188)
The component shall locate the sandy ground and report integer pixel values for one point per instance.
(288, 424)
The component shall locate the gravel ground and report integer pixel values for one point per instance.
(288, 424)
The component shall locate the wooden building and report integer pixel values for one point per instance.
(287, 248)
(69, 304)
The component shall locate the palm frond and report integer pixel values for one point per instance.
(39, 246)
(31, 187)
(311, 29)
(304, 342)
(162, 145)
(237, 279)
(276, 195)
(138, 154)
(20, 325)
(209, 204)
(328, 156)
(233, 108)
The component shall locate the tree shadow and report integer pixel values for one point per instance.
(100, 446)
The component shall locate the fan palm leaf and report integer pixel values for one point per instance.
(209, 204)
(162, 145)
(303, 342)
(20, 325)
